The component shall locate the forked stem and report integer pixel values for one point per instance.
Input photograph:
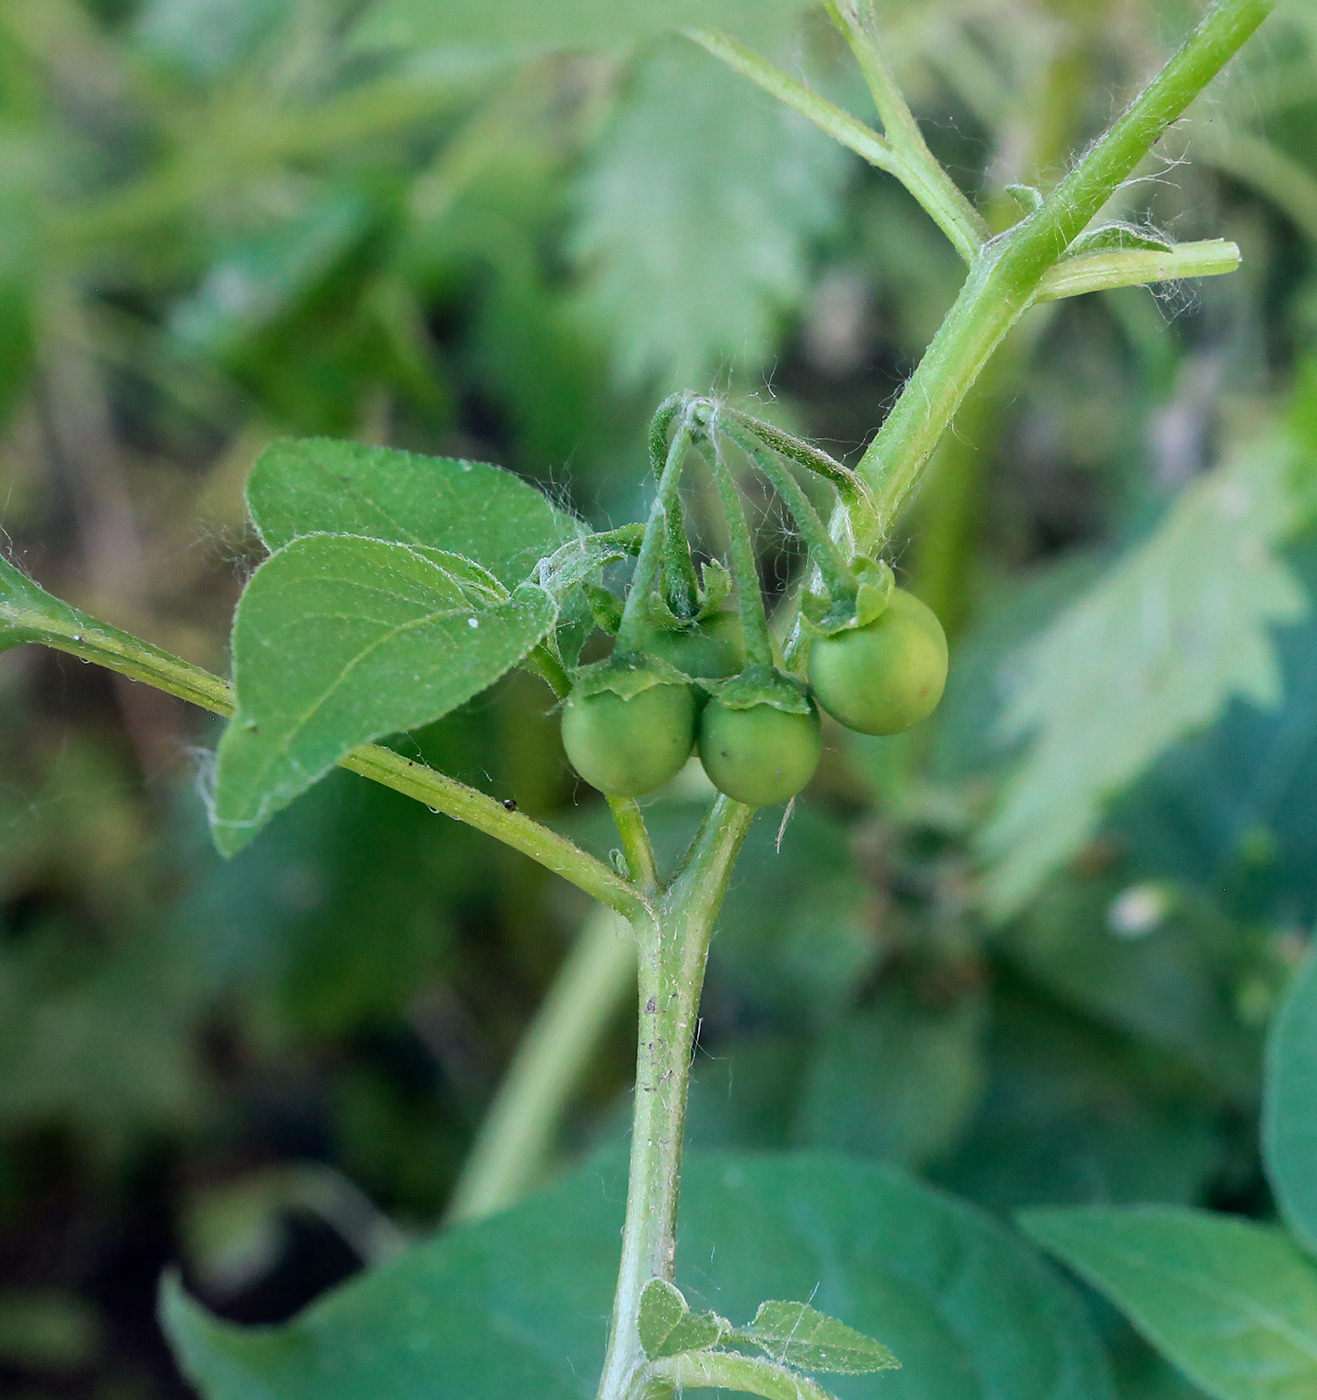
(673, 950)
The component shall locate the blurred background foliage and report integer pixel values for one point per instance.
(1029, 951)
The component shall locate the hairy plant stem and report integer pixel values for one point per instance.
(66, 629)
(1006, 275)
(673, 949)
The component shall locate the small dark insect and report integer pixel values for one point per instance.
(510, 803)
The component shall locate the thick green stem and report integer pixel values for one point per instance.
(517, 1136)
(673, 950)
(1006, 276)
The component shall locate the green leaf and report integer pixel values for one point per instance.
(692, 249)
(564, 24)
(896, 1080)
(1233, 1304)
(518, 1305)
(340, 640)
(319, 485)
(794, 1334)
(1152, 652)
(1289, 1119)
(668, 1327)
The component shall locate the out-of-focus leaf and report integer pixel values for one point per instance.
(1290, 1115)
(518, 1305)
(565, 24)
(1154, 651)
(1153, 961)
(1232, 1303)
(1233, 812)
(340, 640)
(204, 37)
(1071, 1115)
(107, 1048)
(339, 914)
(46, 1331)
(797, 933)
(692, 249)
(318, 485)
(896, 1081)
(743, 1092)
(260, 278)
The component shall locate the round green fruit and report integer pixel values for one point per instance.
(885, 677)
(710, 650)
(759, 756)
(627, 748)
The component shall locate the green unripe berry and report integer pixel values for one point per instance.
(885, 677)
(761, 755)
(627, 748)
(710, 650)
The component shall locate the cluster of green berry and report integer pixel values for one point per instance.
(686, 674)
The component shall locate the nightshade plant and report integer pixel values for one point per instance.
(398, 587)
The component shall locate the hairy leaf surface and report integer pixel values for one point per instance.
(519, 1305)
(320, 485)
(1233, 1304)
(340, 640)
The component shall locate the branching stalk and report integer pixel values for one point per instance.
(1006, 278)
(824, 552)
(919, 171)
(673, 950)
(914, 167)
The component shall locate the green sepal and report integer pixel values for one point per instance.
(1119, 238)
(667, 1326)
(626, 676)
(825, 616)
(762, 685)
